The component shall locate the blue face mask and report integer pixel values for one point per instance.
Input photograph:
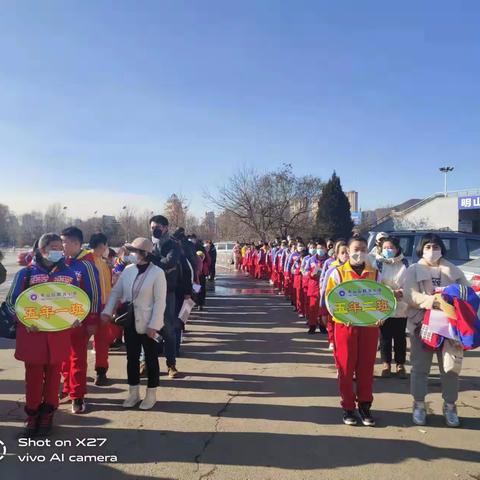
(311, 251)
(55, 256)
(388, 253)
(320, 252)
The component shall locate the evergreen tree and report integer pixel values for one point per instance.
(333, 216)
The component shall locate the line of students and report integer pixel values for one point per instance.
(48, 356)
(306, 277)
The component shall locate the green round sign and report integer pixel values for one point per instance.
(52, 306)
(361, 302)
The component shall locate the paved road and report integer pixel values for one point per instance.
(258, 400)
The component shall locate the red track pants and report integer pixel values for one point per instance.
(101, 341)
(41, 385)
(74, 370)
(355, 353)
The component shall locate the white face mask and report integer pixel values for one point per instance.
(358, 258)
(132, 258)
(106, 253)
(432, 256)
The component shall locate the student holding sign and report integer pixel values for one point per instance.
(42, 351)
(355, 346)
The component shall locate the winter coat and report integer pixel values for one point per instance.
(166, 256)
(393, 272)
(149, 303)
(418, 290)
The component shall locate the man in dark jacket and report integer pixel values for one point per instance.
(167, 256)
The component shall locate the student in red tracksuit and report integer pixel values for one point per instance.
(313, 290)
(298, 279)
(294, 256)
(340, 257)
(261, 265)
(74, 369)
(104, 335)
(279, 266)
(254, 261)
(287, 277)
(43, 352)
(305, 270)
(355, 347)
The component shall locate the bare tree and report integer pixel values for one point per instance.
(55, 218)
(275, 203)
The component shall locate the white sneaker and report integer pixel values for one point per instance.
(419, 415)
(150, 399)
(331, 346)
(451, 417)
(133, 396)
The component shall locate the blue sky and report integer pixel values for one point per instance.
(104, 103)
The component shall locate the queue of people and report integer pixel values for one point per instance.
(135, 294)
(305, 273)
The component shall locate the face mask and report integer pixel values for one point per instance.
(55, 256)
(331, 252)
(388, 253)
(135, 258)
(432, 256)
(157, 233)
(130, 258)
(343, 257)
(106, 253)
(320, 252)
(312, 251)
(358, 258)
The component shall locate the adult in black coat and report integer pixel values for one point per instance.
(167, 256)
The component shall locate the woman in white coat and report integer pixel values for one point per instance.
(393, 267)
(144, 284)
(422, 281)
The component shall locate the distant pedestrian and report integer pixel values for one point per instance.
(3, 270)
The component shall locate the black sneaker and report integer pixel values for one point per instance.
(312, 330)
(366, 415)
(322, 329)
(78, 406)
(101, 379)
(349, 417)
(116, 345)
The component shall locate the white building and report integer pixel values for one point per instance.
(457, 211)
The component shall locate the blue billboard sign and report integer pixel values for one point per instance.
(356, 217)
(469, 203)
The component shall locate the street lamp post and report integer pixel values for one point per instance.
(445, 171)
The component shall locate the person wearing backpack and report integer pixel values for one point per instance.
(423, 279)
(41, 352)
